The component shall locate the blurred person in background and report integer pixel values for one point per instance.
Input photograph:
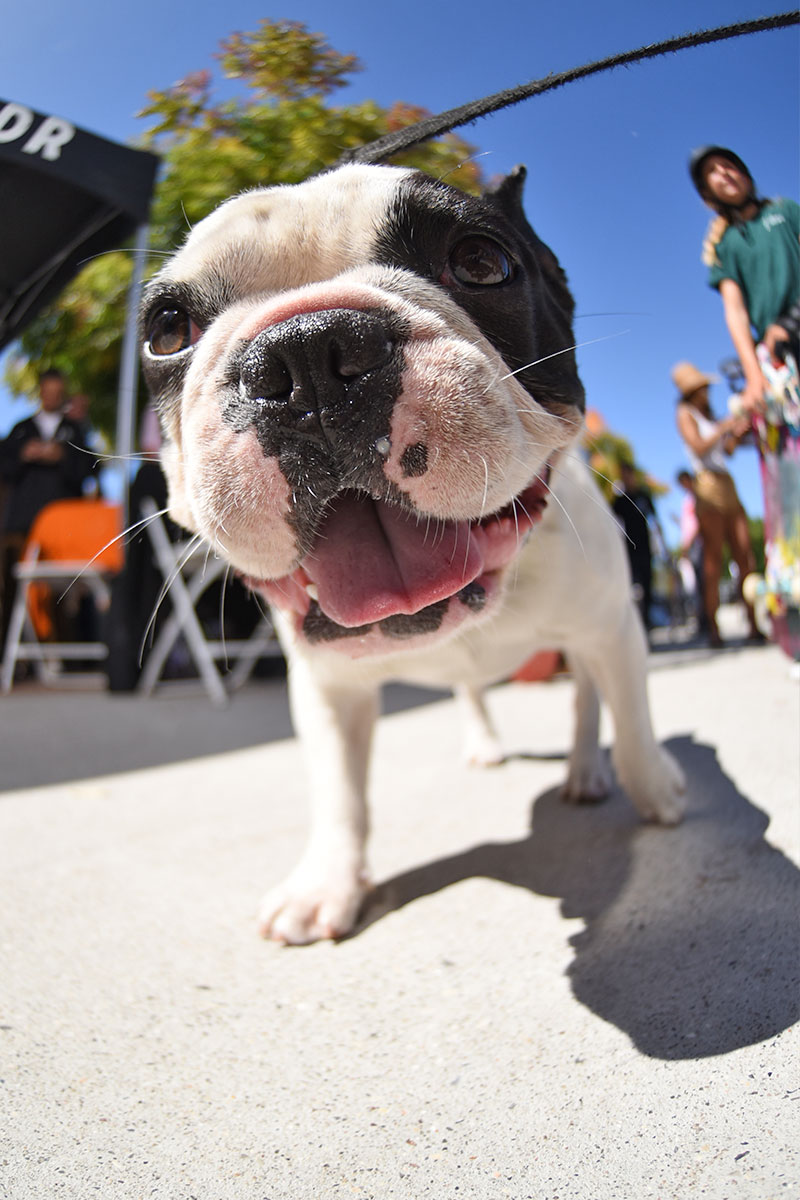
(633, 508)
(78, 409)
(136, 589)
(690, 552)
(44, 458)
(720, 512)
(753, 255)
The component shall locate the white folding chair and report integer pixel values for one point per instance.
(70, 541)
(188, 570)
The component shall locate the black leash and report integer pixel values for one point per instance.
(430, 127)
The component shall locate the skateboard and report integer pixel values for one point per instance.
(776, 433)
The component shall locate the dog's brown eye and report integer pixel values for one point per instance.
(479, 262)
(171, 330)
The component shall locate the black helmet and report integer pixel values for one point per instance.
(699, 156)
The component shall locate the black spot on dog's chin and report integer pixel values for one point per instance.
(414, 460)
(406, 625)
(473, 596)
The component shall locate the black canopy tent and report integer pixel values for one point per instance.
(65, 195)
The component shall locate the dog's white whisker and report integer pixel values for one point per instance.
(261, 606)
(127, 250)
(599, 501)
(225, 577)
(145, 521)
(571, 522)
(189, 550)
(100, 455)
(485, 496)
(516, 520)
(470, 158)
(215, 542)
(496, 369)
(551, 416)
(466, 555)
(578, 346)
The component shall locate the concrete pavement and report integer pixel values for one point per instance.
(541, 1001)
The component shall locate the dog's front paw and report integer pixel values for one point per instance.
(312, 904)
(658, 791)
(483, 749)
(480, 743)
(589, 781)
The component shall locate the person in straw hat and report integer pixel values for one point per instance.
(720, 514)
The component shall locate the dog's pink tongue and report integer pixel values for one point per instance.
(373, 561)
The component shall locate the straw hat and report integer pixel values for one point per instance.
(688, 379)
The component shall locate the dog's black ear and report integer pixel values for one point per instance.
(507, 192)
(507, 195)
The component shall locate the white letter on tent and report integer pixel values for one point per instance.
(14, 121)
(52, 134)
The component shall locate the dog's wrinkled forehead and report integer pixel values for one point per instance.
(284, 237)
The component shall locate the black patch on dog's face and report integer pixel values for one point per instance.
(202, 303)
(526, 317)
(473, 596)
(414, 460)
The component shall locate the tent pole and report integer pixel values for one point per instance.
(129, 370)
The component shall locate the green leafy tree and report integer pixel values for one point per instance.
(608, 453)
(280, 127)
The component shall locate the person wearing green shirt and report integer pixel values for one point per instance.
(752, 250)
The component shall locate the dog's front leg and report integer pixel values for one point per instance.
(617, 662)
(322, 895)
(589, 778)
(480, 741)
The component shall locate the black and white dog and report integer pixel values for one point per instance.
(369, 406)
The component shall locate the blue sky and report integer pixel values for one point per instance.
(607, 186)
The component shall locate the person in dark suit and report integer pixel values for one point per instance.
(634, 510)
(44, 458)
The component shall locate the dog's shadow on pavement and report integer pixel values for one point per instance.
(691, 943)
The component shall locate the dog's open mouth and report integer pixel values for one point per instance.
(375, 565)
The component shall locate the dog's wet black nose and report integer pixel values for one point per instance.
(309, 361)
(318, 390)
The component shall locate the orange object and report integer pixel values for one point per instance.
(81, 532)
(539, 667)
(595, 425)
(77, 531)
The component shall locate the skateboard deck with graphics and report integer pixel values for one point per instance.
(777, 437)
